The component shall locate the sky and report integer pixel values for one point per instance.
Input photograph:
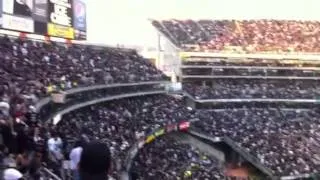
(125, 21)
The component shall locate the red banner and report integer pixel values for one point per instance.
(184, 126)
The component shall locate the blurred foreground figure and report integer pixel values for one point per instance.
(95, 162)
(12, 174)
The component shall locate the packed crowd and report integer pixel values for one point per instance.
(255, 88)
(31, 70)
(282, 83)
(286, 141)
(175, 160)
(243, 35)
(283, 140)
(121, 123)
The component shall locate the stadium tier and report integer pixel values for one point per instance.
(251, 115)
(30, 69)
(34, 77)
(286, 141)
(242, 35)
(222, 78)
(122, 123)
(182, 160)
(273, 101)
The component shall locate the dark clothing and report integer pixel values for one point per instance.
(95, 161)
(85, 176)
(21, 9)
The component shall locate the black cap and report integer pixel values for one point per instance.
(95, 161)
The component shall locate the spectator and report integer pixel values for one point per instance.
(74, 156)
(55, 153)
(35, 165)
(55, 146)
(95, 161)
(23, 162)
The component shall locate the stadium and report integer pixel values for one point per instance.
(199, 97)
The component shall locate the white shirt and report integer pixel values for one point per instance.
(11, 174)
(74, 156)
(55, 145)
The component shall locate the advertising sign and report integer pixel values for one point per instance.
(17, 15)
(81, 35)
(79, 15)
(17, 23)
(40, 10)
(60, 31)
(60, 12)
(59, 18)
(18, 7)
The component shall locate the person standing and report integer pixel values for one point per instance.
(95, 161)
(55, 151)
(74, 156)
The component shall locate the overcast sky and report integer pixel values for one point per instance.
(125, 21)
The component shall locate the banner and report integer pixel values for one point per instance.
(40, 10)
(60, 12)
(60, 31)
(150, 139)
(79, 15)
(58, 97)
(171, 127)
(184, 126)
(17, 23)
(159, 133)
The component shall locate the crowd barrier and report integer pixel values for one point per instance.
(57, 116)
(47, 108)
(266, 100)
(247, 77)
(247, 67)
(46, 100)
(271, 56)
(258, 100)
